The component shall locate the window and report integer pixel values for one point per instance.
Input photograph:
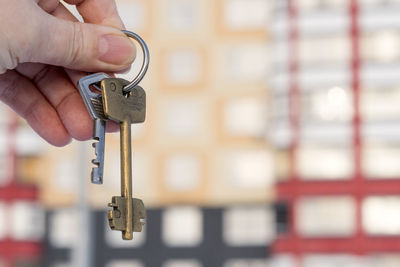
(27, 221)
(63, 228)
(380, 215)
(125, 263)
(255, 17)
(134, 14)
(326, 216)
(183, 67)
(184, 117)
(325, 162)
(244, 117)
(182, 226)
(381, 161)
(332, 260)
(246, 263)
(381, 46)
(247, 62)
(182, 263)
(183, 172)
(328, 49)
(249, 226)
(380, 103)
(249, 169)
(182, 16)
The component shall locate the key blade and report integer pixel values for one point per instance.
(96, 176)
(99, 129)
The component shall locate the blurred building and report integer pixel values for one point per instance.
(201, 164)
(220, 131)
(21, 214)
(335, 128)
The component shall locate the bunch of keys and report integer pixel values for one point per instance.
(123, 102)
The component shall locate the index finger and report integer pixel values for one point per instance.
(102, 12)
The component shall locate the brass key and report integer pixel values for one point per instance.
(126, 108)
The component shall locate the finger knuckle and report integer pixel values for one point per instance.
(78, 44)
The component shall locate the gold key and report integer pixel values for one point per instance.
(125, 108)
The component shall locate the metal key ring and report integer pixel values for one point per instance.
(145, 65)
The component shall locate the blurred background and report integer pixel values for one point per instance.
(272, 138)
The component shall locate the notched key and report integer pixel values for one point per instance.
(94, 105)
(125, 108)
(92, 100)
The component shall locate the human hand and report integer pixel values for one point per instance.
(43, 51)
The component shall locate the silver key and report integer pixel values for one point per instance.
(94, 104)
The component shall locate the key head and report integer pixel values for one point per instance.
(92, 100)
(119, 106)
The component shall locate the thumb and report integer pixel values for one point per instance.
(82, 46)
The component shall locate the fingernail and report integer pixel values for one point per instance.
(114, 49)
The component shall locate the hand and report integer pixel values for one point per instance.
(43, 51)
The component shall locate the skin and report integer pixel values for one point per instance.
(44, 51)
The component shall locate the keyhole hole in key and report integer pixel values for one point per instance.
(95, 88)
(127, 94)
(113, 87)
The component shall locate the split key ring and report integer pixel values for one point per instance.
(145, 65)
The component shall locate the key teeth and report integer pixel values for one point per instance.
(115, 217)
(96, 146)
(95, 176)
(111, 219)
(94, 104)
